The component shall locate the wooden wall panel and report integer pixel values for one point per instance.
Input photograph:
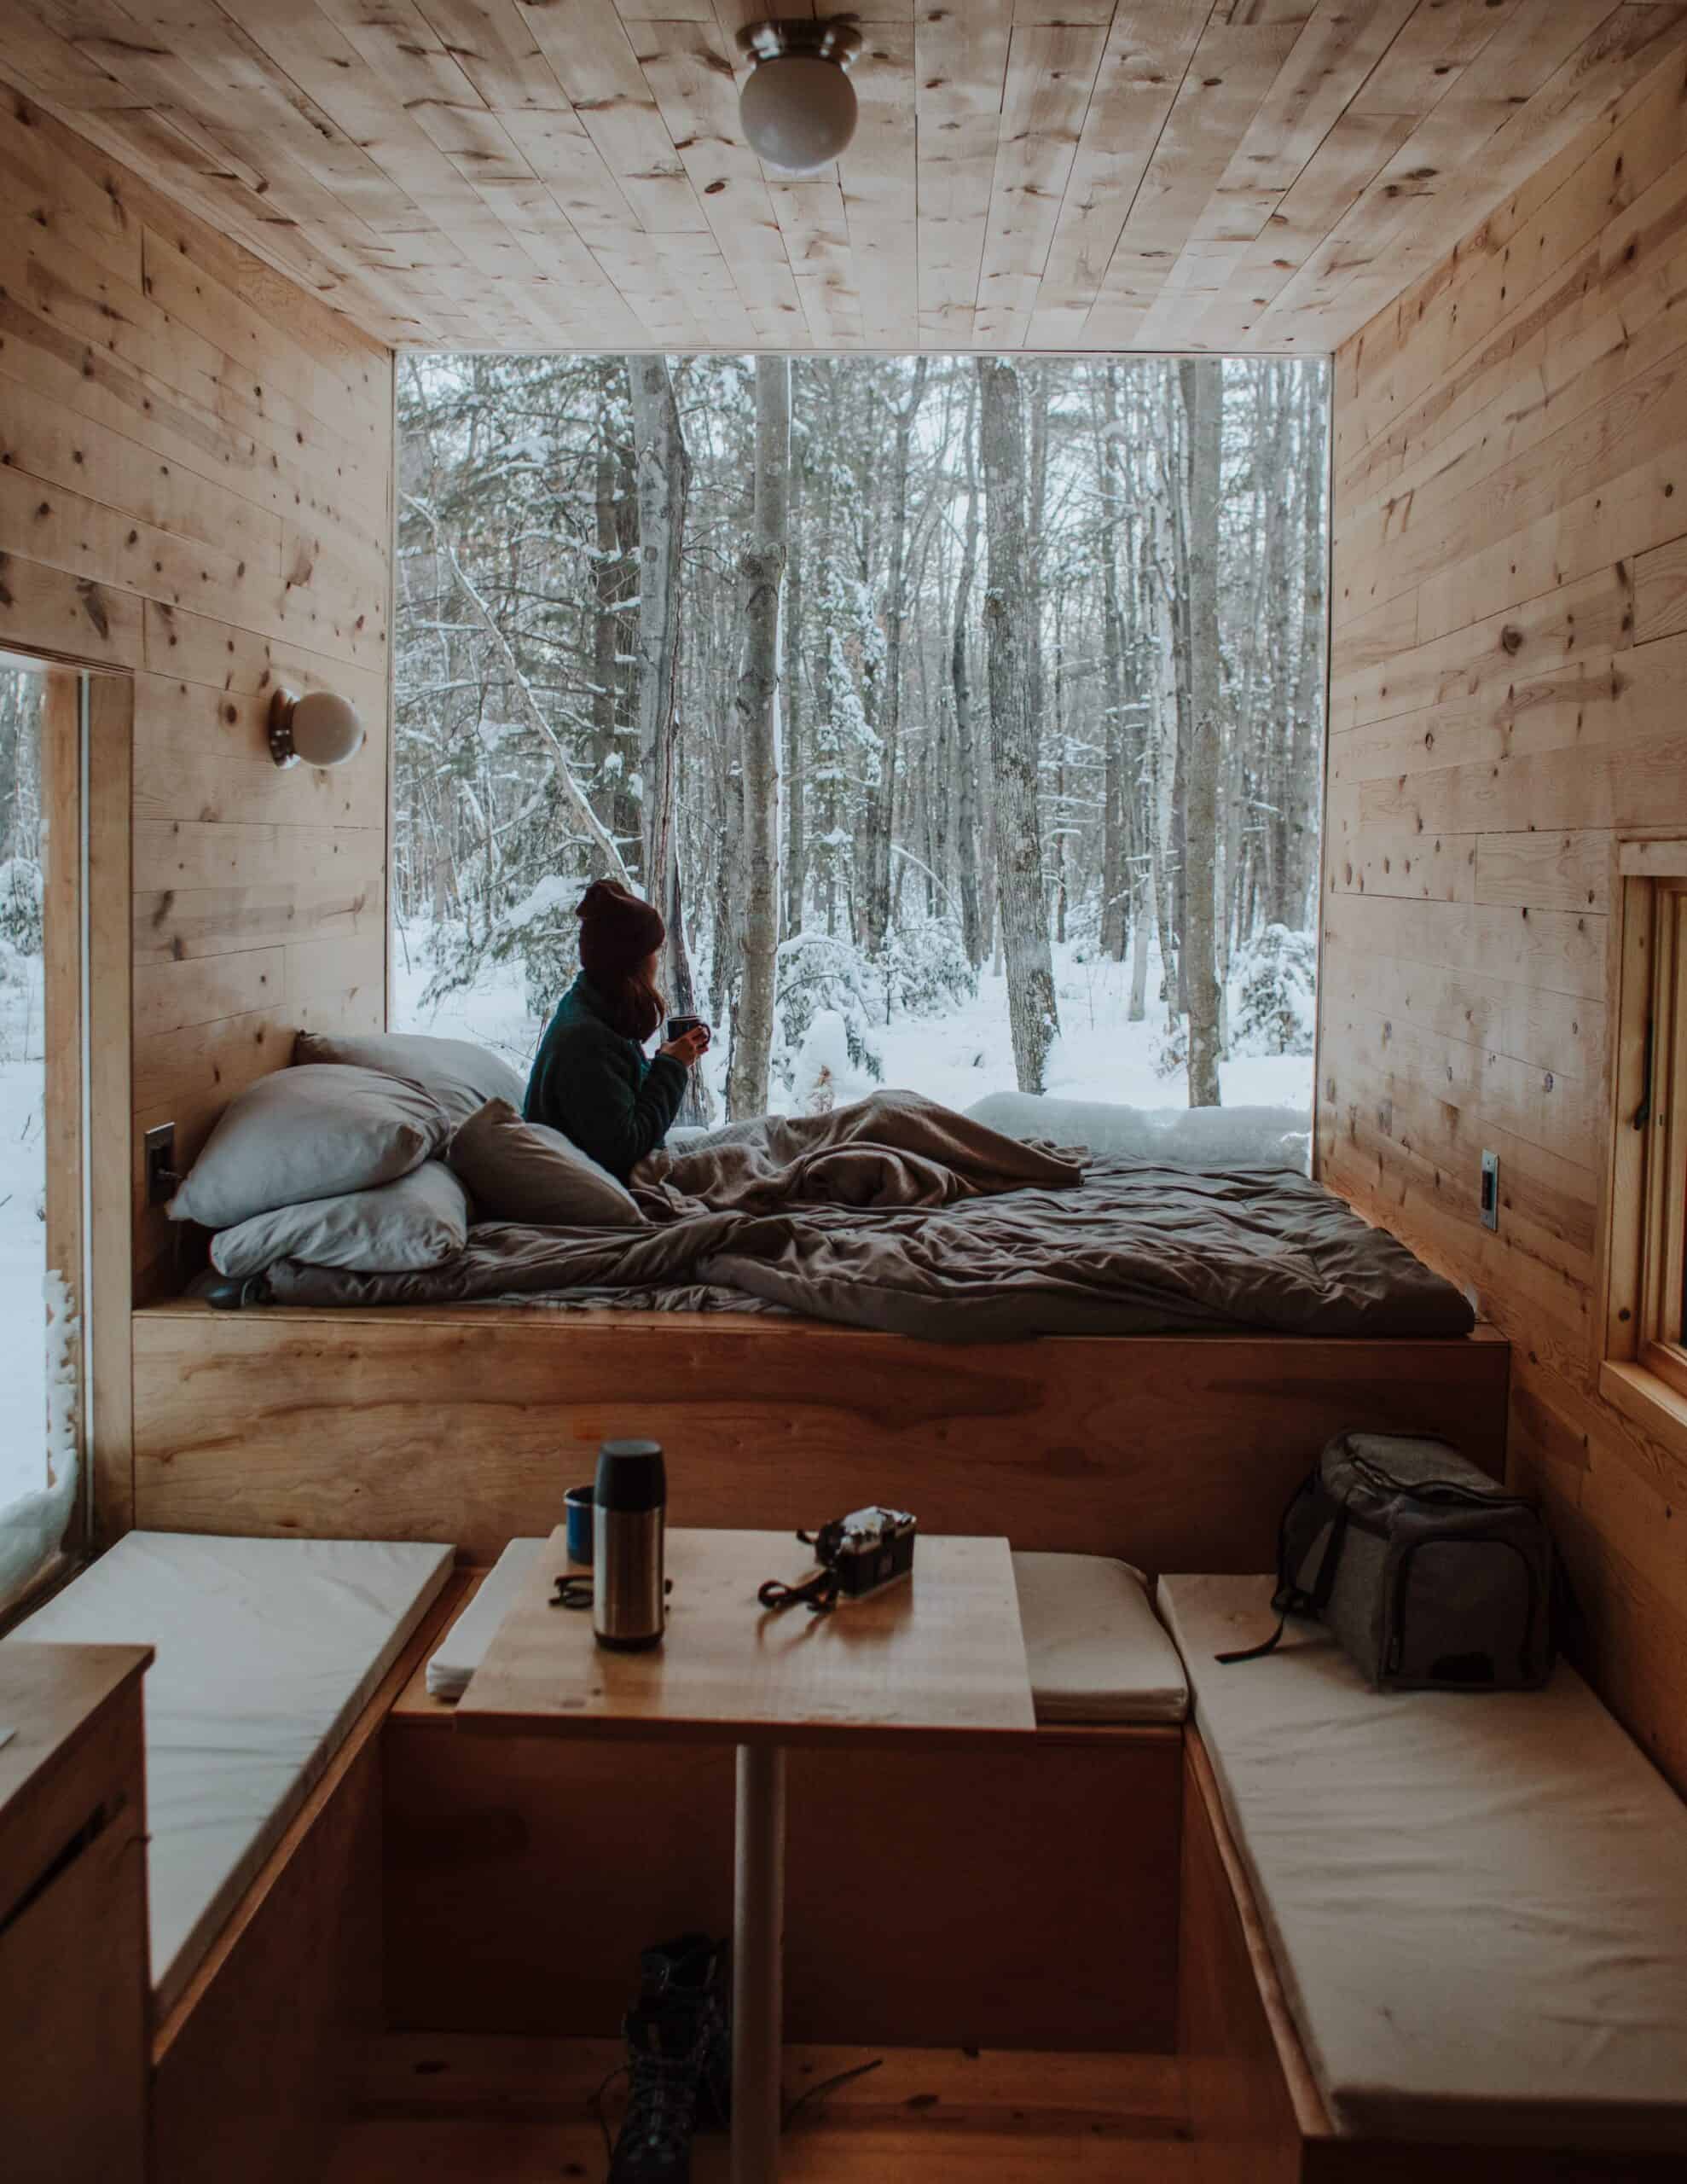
(1510, 651)
(195, 481)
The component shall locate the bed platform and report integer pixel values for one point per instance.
(466, 1423)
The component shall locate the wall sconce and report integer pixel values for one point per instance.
(319, 729)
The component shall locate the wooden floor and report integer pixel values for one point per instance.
(463, 2111)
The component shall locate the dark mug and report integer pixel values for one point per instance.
(578, 1501)
(679, 1025)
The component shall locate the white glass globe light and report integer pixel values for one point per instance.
(797, 105)
(318, 729)
(798, 112)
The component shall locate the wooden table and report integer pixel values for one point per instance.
(939, 1657)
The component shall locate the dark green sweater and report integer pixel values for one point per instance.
(596, 1087)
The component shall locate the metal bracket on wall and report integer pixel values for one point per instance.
(1490, 1190)
(159, 1147)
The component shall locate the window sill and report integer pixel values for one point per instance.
(1650, 1403)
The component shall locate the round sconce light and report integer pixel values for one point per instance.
(317, 729)
(798, 105)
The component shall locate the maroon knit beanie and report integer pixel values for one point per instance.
(619, 931)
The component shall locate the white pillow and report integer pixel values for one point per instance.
(307, 1133)
(420, 1221)
(517, 1170)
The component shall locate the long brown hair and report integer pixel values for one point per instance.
(619, 933)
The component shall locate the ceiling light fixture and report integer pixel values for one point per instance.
(798, 105)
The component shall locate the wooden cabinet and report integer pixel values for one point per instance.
(73, 1981)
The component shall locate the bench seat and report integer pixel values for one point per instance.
(1477, 1903)
(266, 1650)
(1097, 1651)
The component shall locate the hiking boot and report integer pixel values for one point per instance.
(679, 2059)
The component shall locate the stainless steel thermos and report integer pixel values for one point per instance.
(629, 1511)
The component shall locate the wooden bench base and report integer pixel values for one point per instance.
(254, 2066)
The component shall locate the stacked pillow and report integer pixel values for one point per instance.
(333, 1165)
(357, 1157)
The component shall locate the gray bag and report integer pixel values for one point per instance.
(1431, 1575)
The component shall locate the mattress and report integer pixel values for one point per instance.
(1476, 1901)
(267, 1651)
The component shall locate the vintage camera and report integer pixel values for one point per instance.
(869, 1548)
(858, 1554)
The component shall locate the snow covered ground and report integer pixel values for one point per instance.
(23, 1237)
(957, 1057)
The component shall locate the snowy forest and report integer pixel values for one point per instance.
(963, 715)
(23, 1171)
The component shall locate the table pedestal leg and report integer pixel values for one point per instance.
(758, 1948)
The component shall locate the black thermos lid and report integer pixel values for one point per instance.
(631, 1476)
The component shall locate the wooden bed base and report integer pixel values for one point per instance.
(466, 1424)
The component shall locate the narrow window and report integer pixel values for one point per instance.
(1644, 1367)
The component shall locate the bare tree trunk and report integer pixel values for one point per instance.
(1113, 905)
(973, 935)
(796, 826)
(1032, 1014)
(1303, 785)
(664, 468)
(761, 569)
(881, 799)
(1160, 576)
(1202, 398)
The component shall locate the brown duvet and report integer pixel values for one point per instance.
(898, 1214)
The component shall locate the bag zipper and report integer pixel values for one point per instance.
(1451, 1489)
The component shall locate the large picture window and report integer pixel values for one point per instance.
(42, 963)
(963, 715)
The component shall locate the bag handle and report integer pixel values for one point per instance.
(1289, 1598)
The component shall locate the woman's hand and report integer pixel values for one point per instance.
(689, 1047)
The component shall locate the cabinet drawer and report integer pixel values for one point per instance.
(74, 2016)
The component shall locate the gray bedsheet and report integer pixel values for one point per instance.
(897, 1214)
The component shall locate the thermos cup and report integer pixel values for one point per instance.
(577, 1504)
(628, 1520)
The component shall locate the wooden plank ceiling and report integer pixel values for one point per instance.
(1066, 174)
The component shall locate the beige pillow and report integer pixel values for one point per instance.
(460, 1075)
(420, 1221)
(524, 1171)
(309, 1133)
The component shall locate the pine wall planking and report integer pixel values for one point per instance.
(1508, 665)
(195, 482)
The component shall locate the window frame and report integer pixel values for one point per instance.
(1642, 1327)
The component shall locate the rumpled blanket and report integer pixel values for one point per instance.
(893, 1149)
(942, 1229)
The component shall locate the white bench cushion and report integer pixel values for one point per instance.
(1476, 1901)
(267, 1651)
(463, 1647)
(1096, 1649)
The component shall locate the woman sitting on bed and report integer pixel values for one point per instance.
(590, 1077)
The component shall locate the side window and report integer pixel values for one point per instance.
(1643, 1368)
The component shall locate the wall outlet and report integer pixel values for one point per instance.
(1490, 1199)
(160, 1146)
